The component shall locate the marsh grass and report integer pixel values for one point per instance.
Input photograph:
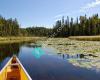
(17, 39)
(85, 38)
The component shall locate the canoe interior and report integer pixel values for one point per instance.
(14, 71)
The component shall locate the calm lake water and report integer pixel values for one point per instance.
(45, 63)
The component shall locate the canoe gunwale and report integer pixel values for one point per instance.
(24, 69)
(7, 64)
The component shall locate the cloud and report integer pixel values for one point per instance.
(58, 16)
(65, 14)
(90, 5)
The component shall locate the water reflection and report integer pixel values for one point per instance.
(76, 56)
(7, 50)
(38, 52)
(44, 64)
(34, 45)
(88, 61)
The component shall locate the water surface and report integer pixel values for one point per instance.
(45, 63)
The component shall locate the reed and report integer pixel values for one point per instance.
(18, 39)
(85, 38)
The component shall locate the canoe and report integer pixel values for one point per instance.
(14, 70)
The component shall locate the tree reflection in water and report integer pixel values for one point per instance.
(7, 50)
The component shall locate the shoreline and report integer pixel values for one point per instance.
(85, 38)
(18, 39)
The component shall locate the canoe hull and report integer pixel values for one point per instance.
(23, 73)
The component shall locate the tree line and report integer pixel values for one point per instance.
(35, 31)
(82, 26)
(11, 27)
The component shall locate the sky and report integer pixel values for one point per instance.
(46, 12)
